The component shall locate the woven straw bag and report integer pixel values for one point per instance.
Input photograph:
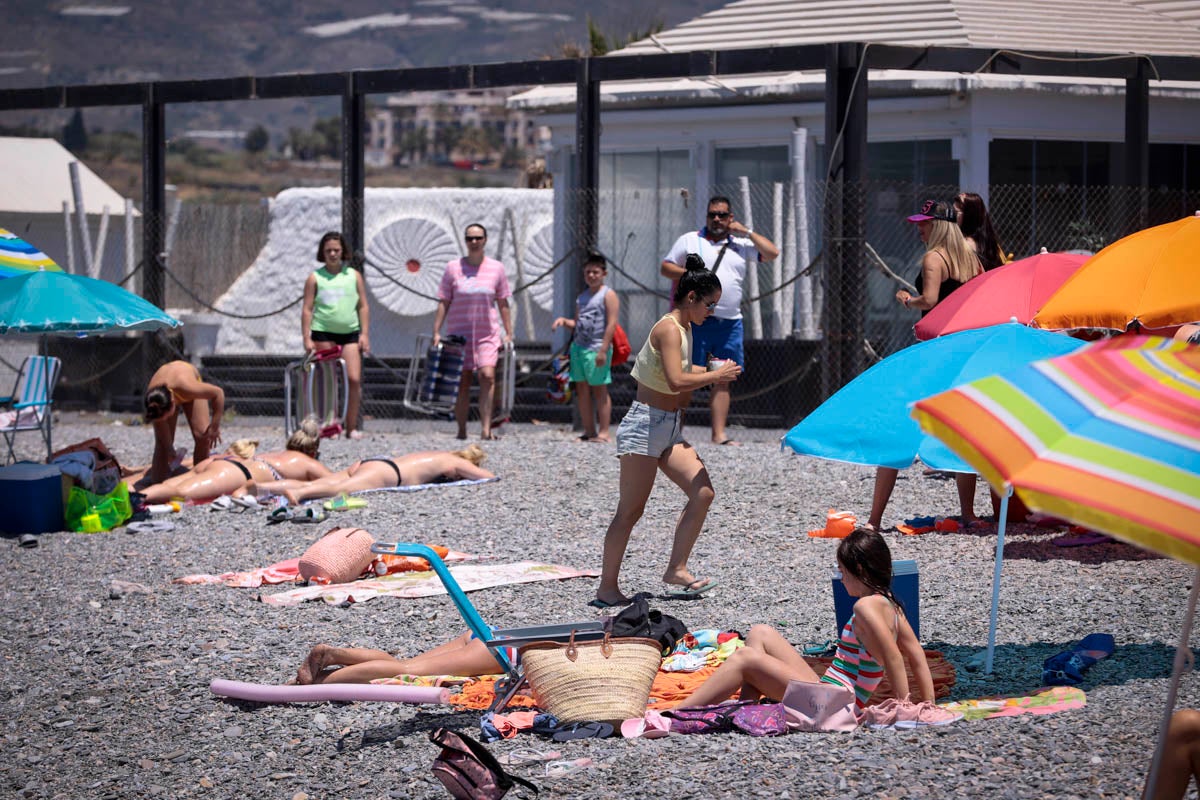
(606, 681)
(339, 556)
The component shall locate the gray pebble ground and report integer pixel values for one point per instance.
(104, 689)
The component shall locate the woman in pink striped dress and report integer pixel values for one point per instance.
(473, 302)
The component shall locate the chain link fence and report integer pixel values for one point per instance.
(235, 274)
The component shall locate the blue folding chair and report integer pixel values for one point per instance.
(30, 402)
(496, 640)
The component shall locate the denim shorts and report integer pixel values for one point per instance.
(648, 431)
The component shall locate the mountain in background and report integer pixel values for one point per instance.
(107, 41)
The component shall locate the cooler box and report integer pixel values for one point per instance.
(904, 586)
(32, 496)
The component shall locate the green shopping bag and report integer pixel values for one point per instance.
(90, 513)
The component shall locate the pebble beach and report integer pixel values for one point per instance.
(105, 663)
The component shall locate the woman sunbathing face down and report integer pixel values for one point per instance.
(234, 472)
(414, 469)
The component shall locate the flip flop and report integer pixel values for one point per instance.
(729, 443)
(653, 725)
(309, 514)
(281, 514)
(245, 502)
(598, 603)
(1067, 668)
(150, 526)
(690, 592)
(27, 540)
(344, 502)
(222, 503)
(583, 730)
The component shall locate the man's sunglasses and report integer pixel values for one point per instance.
(719, 214)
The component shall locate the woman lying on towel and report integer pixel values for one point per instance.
(876, 640)
(414, 469)
(463, 656)
(237, 470)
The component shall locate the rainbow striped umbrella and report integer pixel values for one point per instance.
(18, 256)
(1108, 437)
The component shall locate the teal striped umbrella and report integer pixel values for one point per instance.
(18, 256)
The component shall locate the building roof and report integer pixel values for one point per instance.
(36, 180)
(1155, 27)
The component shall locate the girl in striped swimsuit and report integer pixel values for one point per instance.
(877, 640)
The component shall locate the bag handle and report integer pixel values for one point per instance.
(572, 651)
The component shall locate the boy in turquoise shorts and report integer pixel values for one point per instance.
(596, 311)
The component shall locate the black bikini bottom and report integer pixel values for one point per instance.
(390, 463)
(240, 466)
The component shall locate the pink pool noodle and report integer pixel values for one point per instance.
(322, 692)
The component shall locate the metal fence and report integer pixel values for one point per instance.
(235, 276)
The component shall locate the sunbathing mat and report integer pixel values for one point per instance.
(283, 572)
(1046, 701)
(424, 584)
(422, 486)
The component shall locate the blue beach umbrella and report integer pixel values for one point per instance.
(55, 302)
(868, 420)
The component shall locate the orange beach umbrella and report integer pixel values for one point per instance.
(1151, 278)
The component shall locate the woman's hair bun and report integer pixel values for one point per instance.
(694, 262)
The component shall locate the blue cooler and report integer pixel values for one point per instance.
(904, 586)
(33, 496)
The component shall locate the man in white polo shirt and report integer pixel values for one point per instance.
(726, 246)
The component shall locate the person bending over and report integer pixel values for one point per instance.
(176, 386)
(414, 469)
(877, 640)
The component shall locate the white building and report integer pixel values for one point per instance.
(667, 144)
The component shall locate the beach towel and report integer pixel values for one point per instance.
(1046, 701)
(423, 486)
(283, 572)
(425, 584)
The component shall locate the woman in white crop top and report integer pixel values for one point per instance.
(650, 438)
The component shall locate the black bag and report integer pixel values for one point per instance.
(468, 770)
(639, 620)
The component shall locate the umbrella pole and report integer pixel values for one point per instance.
(991, 644)
(1181, 658)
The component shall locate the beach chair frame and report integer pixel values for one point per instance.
(420, 394)
(496, 640)
(317, 385)
(34, 389)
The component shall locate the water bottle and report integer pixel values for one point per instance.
(171, 507)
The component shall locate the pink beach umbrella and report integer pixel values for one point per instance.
(1011, 293)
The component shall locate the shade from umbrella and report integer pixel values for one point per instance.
(18, 256)
(1151, 277)
(56, 302)
(1107, 437)
(1012, 292)
(868, 421)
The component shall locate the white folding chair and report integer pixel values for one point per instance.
(29, 405)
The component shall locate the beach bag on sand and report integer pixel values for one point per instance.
(468, 770)
(339, 556)
(751, 717)
(638, 619)
(605, 680)
(92, 465)
(87, 512)
(819, 707)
